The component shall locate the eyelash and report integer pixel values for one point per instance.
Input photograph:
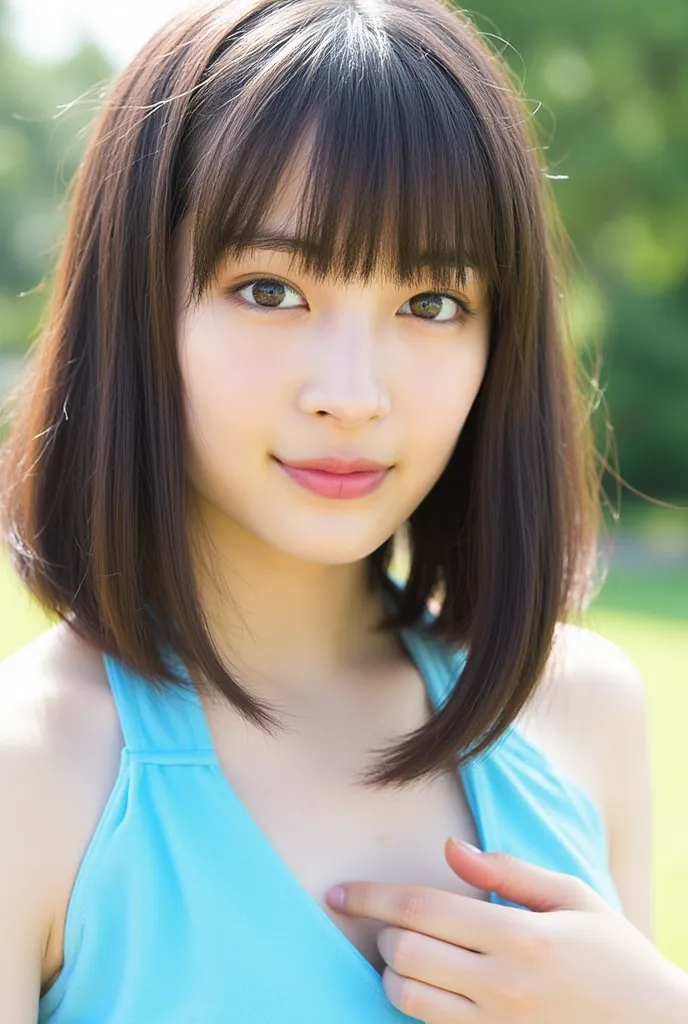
(467, 311)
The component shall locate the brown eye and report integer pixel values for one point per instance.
(435, 306)
(428, 305)
(267, 293)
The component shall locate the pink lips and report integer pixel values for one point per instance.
(336, 478)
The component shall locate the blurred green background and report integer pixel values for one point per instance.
(607, 88)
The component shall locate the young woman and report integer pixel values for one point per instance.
(306, 318)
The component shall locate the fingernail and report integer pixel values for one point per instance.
(466, 846)
(336, 897)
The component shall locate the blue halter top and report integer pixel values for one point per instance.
(182, 912)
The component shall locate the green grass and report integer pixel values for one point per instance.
(645, 613)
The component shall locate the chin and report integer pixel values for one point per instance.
(328, 548)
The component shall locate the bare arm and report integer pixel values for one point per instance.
(630, 811)
(595, 693)
(39, 768)
(59, 752)
(23, 881)
(629, 786)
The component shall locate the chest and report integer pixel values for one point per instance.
(327, 831)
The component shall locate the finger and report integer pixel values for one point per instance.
(461, 920)
(434, 962)
(426, 1003)
(519, 881)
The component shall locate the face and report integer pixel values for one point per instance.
(278, 368)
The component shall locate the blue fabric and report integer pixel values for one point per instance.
(183, 913)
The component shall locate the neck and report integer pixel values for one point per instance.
(285, 627)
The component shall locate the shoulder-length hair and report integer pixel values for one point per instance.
(424, 157)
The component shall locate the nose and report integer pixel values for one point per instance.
(346, 382)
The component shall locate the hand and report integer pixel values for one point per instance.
(457, 960)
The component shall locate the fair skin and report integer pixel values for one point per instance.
(344, 369)
(334, 370)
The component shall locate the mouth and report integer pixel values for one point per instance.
(340, 466)
(351, 483)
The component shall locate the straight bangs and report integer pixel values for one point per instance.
(398, 181)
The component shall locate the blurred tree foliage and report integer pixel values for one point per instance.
(45, 110)
(612, 81)
(607, 84)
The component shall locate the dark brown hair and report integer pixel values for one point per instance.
(424, 157)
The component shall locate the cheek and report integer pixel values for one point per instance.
(440, 396)
(228, 398)
(229, 389)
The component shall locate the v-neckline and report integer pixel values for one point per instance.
(420, 658)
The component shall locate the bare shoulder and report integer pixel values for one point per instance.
(59, 748)
(590, 713)
(585, 665)
(589, 710)
(54, 697)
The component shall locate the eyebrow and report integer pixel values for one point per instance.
(276, 241)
